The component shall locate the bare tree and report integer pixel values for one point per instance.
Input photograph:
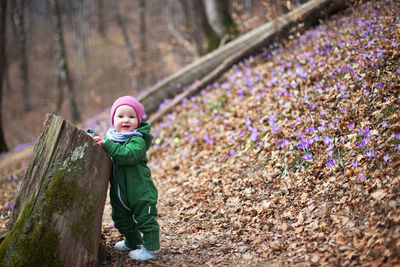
(63, 73)
(121, 24)
(3, 19)
(80, 22)
(18, 22)
(171, 5)
(6, 75)
(143, 44)
(220, 19)
(204, 36)
(101, 20)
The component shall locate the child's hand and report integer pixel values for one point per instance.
(100, 141)
(90, 132)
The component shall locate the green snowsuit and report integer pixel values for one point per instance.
(133, 195)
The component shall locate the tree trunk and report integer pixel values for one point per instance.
(221, 23)
(142, 79)
(127, 40)
(61, 61)
(195, 17)
(18, 19)
(101, 29)
(79, 20)
(219, 17)
(249, 43)
(57, 217)
(169, 14)
(59, 95)
(6, 76)
(3, 20)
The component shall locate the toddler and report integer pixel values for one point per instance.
(133, 195)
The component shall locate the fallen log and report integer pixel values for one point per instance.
(196, 87)
(57, 217)
(234, 51)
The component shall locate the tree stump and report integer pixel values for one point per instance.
(58, 213)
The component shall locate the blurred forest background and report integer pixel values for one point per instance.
(74, 57)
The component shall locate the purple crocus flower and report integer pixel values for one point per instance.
(397, 136)
(275, 128)
(207, 139)
(284, 143)
(370, 154)
(298, 134)
(386, 158)
(354, 163)
(366, 130)
(328, 140)
(307, 156)
(272, 118)
(303, 143)
(331, 163)
(254, 134)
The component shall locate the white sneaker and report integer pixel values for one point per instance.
(143, 254)
(121, 246)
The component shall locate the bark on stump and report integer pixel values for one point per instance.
(57, 217)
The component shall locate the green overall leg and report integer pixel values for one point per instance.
(126, 225)
(145, 215)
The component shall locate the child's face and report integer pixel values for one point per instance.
(125, 119)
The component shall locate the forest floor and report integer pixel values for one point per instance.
(291, 159)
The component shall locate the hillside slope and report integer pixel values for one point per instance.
(293, 155)
(291, 158)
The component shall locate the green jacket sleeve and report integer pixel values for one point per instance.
(128, 153)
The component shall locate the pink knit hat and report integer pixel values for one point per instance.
(130, 101)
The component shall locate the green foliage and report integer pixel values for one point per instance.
(219, 103)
